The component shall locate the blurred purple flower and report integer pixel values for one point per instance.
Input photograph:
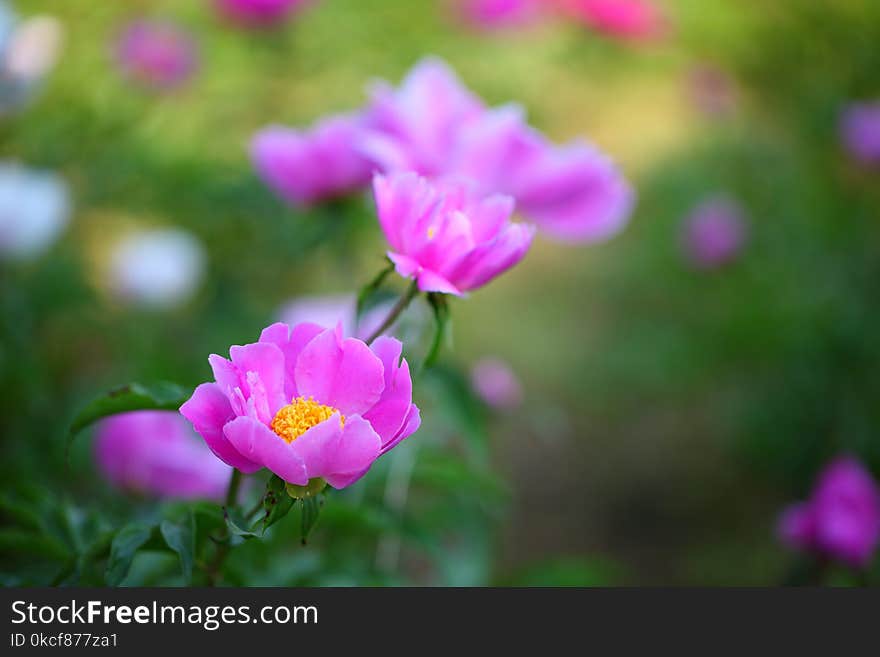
(306, 167)
(446, 237)
(714, 233)
(860, 131)
(156, 54)
(259, 13)
(496, 384)
(434, 126)
(841, 520)
(498, 14)
(158, 453)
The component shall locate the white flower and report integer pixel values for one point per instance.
(34, 208)
(158, 268)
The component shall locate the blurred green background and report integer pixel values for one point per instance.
(669, 413)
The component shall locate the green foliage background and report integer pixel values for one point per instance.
(669, 413)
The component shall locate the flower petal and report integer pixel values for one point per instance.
(342, 373)
(410, 425)
(291, 342)
(209, 411)
(329, 450)
(387, 416)
(260, 444)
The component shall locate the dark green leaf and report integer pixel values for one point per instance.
(125, 544)
(180, 537)
(311, 507)
(276, 502)
(132, 397)
(236, 524)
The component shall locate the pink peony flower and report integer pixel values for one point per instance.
(860, 132)
(156, 54)
(714, 233)
(417, 126)
(496, 384)
(156, 452)
(306, 402)
(572, 192)
(446, 237)
(306, 167)
(259, 13)
(637, 20)
(498, 14)
(841, 520)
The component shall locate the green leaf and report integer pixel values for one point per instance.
(132, 397)
(315, 486)
(311, 507)
(235, 522)
(440, 308)
(180, 536)
(276, 502)
(125, 544)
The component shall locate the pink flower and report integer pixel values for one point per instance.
(496, 384)
(434, 126)
(156, 54)
(444, 236)
(860, 132)
(417, 126)
(712, 91)
(498, 14)
(714, 233)
(572, 193)
(306, 167)
(157, 452)
(259, 13)
(306, 403)
(637, 20)
(841, 520)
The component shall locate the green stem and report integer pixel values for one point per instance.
(395, 312)
(232, 491)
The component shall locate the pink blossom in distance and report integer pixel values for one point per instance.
(714, 233)
(157, 453)
(156, 54)
(496, 384)
(259, 13)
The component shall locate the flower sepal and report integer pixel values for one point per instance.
(311, 489)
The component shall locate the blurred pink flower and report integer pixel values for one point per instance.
(259, 13)
(306, 403)
(446, 237)
(841, 520)
(496, 384)
(714, 233)
(156, 54)
(306, 167)
(860, 132)
(498, 14)
(330, 310)
(434, 126)
(573, 193)
(156, 452)
(636, 20)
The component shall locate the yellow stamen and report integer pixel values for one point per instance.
(432, 230)
(299, 416)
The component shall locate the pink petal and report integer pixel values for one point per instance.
(387, 416)
(208, 409)
(329, 449)
(261, 445)
(410, 425)
(342, 373)
(291, 342)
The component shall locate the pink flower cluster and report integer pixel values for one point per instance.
(841, 520)
(435, 127)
